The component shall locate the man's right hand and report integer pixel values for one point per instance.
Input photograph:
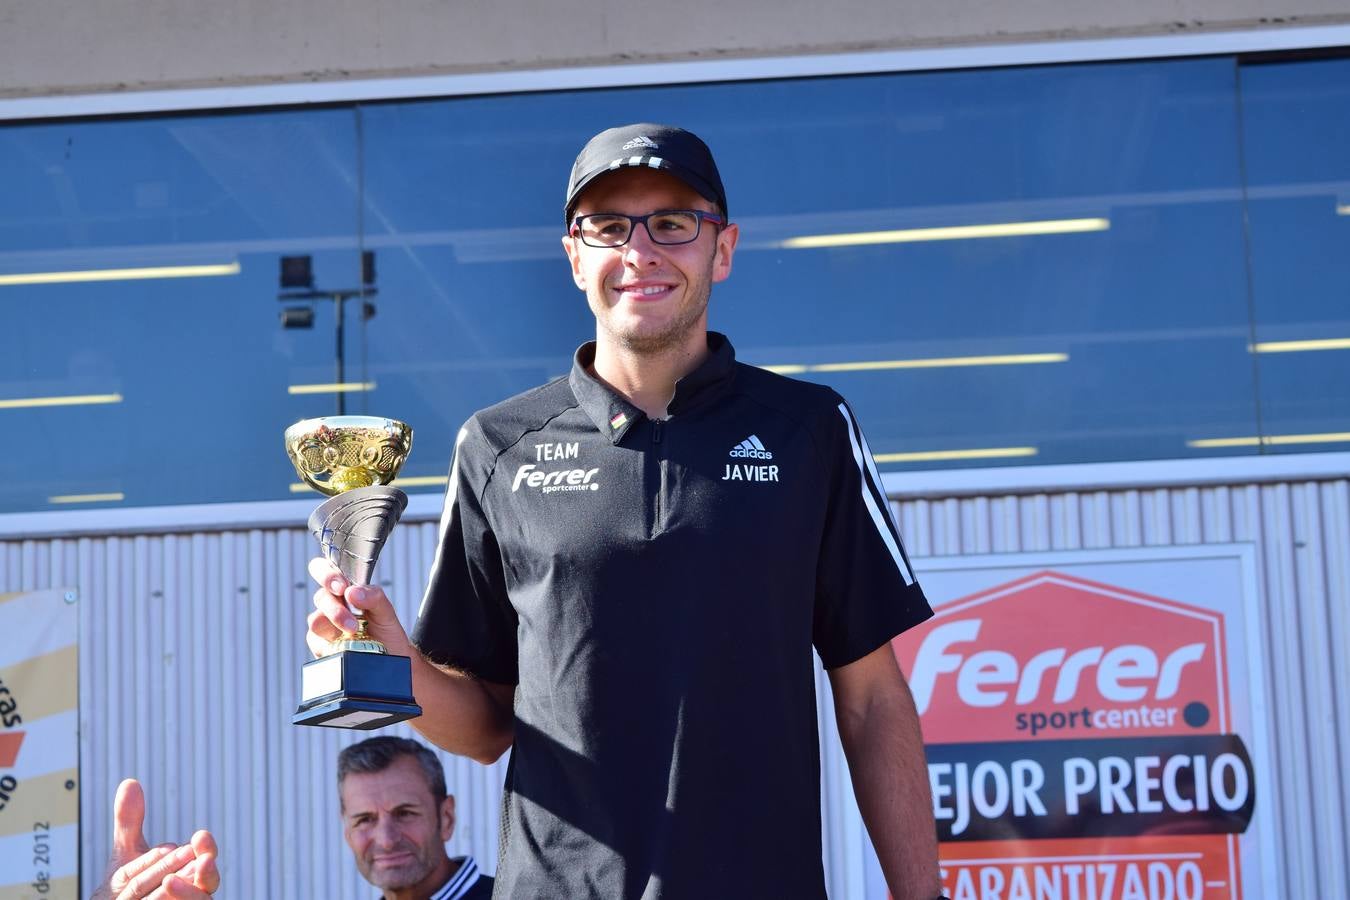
(332, 620)
(467, 716)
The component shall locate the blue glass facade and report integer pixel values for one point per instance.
(1060, 264)
(1296, 138)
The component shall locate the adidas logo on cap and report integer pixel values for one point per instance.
(640, 141)
(750, 448)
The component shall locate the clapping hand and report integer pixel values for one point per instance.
(137, 871)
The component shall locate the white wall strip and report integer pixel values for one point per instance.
(1082, 477)
(906, 485)
(582, 77)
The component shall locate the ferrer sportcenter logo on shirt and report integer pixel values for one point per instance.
(549, 473)
(1080, 743)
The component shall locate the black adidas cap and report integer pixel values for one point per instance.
(663, 147)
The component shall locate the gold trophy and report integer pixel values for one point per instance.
(352, 459)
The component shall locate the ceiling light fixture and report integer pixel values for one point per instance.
(1299, 346)
(937, 362)
(87, 498)
(71, 400)
(939, 455)
(341, 387)
(948, 233)
(79, 275)
(1272, 440)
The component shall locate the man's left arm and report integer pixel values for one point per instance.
(879, 729)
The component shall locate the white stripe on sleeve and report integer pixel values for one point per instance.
(880, 516)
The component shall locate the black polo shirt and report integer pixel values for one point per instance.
(654, 589)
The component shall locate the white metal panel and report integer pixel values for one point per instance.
(190, 649)
(191, 644)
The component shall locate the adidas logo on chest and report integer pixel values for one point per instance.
(750, 448)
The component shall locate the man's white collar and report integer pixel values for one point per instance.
(465, 877)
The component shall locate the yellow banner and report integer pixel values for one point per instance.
(39, 746)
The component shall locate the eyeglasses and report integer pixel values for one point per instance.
(669, 226)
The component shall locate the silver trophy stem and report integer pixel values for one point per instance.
(353, 526)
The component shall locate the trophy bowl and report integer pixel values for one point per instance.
(338, 453)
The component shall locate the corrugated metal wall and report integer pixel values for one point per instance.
(191, 649)
(190, 653)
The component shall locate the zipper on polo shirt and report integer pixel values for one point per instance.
(658, 506)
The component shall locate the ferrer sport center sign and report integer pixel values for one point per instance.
(1095, 725)
(39, 746)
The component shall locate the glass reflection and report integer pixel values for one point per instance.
(1043, 265)
(198, 362)
(1009, 267)
(1296, 137)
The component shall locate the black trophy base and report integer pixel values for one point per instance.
(351, 689)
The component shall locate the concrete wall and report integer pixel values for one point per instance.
(50, 47)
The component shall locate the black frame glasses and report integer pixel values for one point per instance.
(597, 236)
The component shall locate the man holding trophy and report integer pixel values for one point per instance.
(635, 562)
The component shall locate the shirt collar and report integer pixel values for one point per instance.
(464, 878)
(613, 415)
